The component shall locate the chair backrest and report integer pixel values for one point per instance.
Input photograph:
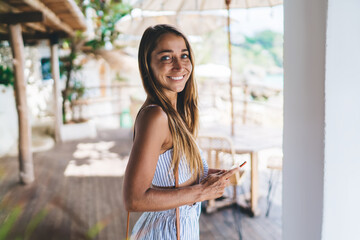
(220, 154)
(218, 150)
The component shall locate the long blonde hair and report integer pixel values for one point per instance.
(183, 122)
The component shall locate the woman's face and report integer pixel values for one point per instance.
(170, 63)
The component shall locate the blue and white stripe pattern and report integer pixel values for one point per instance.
(161, 225)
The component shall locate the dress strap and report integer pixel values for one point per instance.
(177, 211)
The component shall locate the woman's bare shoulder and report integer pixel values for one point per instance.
(152, 114)
(152, 118)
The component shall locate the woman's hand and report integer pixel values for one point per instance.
(214, 170)
(213, 186)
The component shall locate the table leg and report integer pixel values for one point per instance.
(254, 185)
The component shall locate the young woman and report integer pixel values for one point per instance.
(164, 143)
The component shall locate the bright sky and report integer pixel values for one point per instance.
(257, 19)
(248, 20)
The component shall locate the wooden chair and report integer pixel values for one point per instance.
(219, 153)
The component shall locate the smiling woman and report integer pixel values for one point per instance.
(171, 65)
(164, 153)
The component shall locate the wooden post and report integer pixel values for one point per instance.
(227, 2)
(25, 154)
(54, 43)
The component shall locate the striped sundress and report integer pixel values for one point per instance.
(161, 225)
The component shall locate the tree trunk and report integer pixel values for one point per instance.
(57, 92)
(25, 153)
(68, 77)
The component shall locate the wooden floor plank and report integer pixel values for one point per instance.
(77, 203)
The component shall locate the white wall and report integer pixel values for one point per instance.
(8, 120)
(321, 193)
(342, 118)
(303, 140)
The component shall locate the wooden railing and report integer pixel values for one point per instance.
(104, 101)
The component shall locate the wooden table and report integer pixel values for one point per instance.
(249, 140)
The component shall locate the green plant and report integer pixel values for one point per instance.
(77, 91)
(108, 12)
(96, 229)
(120, 78)
(13, 214)
(6, 76)
(69, 67)
(35, 221)
(9, 222)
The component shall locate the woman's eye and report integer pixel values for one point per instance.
(184, 56)
(165, 58)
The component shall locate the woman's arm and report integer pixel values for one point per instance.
(151, 133)
(156, 199)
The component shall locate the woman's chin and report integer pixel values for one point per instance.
(179, 90)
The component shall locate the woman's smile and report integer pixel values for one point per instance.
(177, 78)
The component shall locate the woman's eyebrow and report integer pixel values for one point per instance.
(170, 51)
(164, 51)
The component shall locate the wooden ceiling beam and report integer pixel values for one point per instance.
(36, 26)
(50, 16)
(77, 12)
(3, 29)
(7, 8)
(23, 17)
(34, 36)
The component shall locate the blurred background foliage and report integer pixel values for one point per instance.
(107, 13)
(263, 48)
(6, 70)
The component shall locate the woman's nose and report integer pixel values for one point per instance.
(177, 64)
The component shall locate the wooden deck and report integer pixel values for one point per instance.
(73, 198)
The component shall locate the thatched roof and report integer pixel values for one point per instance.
(42, 16)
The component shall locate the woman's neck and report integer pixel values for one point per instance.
(173, 101)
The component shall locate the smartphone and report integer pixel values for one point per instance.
(241, 165)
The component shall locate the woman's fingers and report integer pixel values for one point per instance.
(220, 172)
(216, 183)
(229, 173)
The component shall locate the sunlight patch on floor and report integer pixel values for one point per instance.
(96, 159)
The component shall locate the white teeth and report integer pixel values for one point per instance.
(177, 78)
